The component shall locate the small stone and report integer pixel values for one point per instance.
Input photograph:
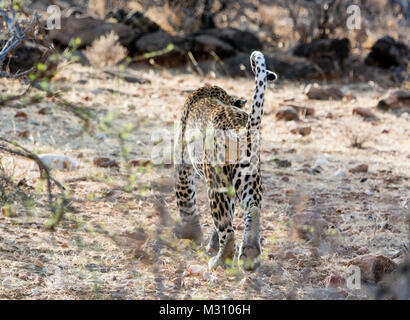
(330, 93)
(340, 174)
(282, 163)
(365, 113)
(304, 131)
(21, 115)
(321, 162)
(58, 161)
(362, 250)
(361, 168)
(335, 281)
(287, 114)
(105, 162)
(285, 179)
(368, 192)
(209, 276)
(195, 270)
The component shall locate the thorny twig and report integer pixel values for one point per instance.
(19, 150)
(16, 34)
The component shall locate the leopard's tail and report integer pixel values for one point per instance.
(262, 75)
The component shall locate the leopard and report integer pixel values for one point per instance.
(228, 158)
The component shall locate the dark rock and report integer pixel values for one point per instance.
(153, 42)
(328, 54)
(135, 19)
(361, 168)
(242, 41)
(288, 67)
(396, 101)
(89, 29)
(282, 163)
(365, 113)
(204, 44)
(330, 93)
(287, 114)
(387, 52)
(25, 57)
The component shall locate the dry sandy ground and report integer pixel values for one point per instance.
(113, 246)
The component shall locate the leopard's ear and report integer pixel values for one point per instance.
(271, 76)
(240, 103)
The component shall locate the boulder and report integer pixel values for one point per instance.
(373, 267)
(203, 44)
(387, 52)
(328, 54)
(288, 67)
(395, 101)
(135, 19)
(25, 57)
(155, 41)
(89, 29)
(241, 41)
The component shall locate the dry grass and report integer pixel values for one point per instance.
(114, 246)
(106, 51)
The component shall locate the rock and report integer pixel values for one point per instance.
(195, 270)
(340, 174)
(373, 267)
(135, 19)
(395, 101)
(21, 115)
(25, 57)
(105, 162)
(321, 162)
(153, 42)
(209, 276)
(89, 29)
(242, 41)
(335, 281)
(288, 67)
(286, 114)
(204, 44)
(330, 93)
(306, 111)
(304, 131)
(361, 168)
(282, 163)
(58, 161)
(387, 52)
(366, 113)
(328, 54)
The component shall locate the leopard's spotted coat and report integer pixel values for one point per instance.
(213, 113)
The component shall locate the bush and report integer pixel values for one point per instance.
(106, 51)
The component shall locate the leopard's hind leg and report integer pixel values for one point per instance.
(249, 192)
(222, 207)
(189, 226)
